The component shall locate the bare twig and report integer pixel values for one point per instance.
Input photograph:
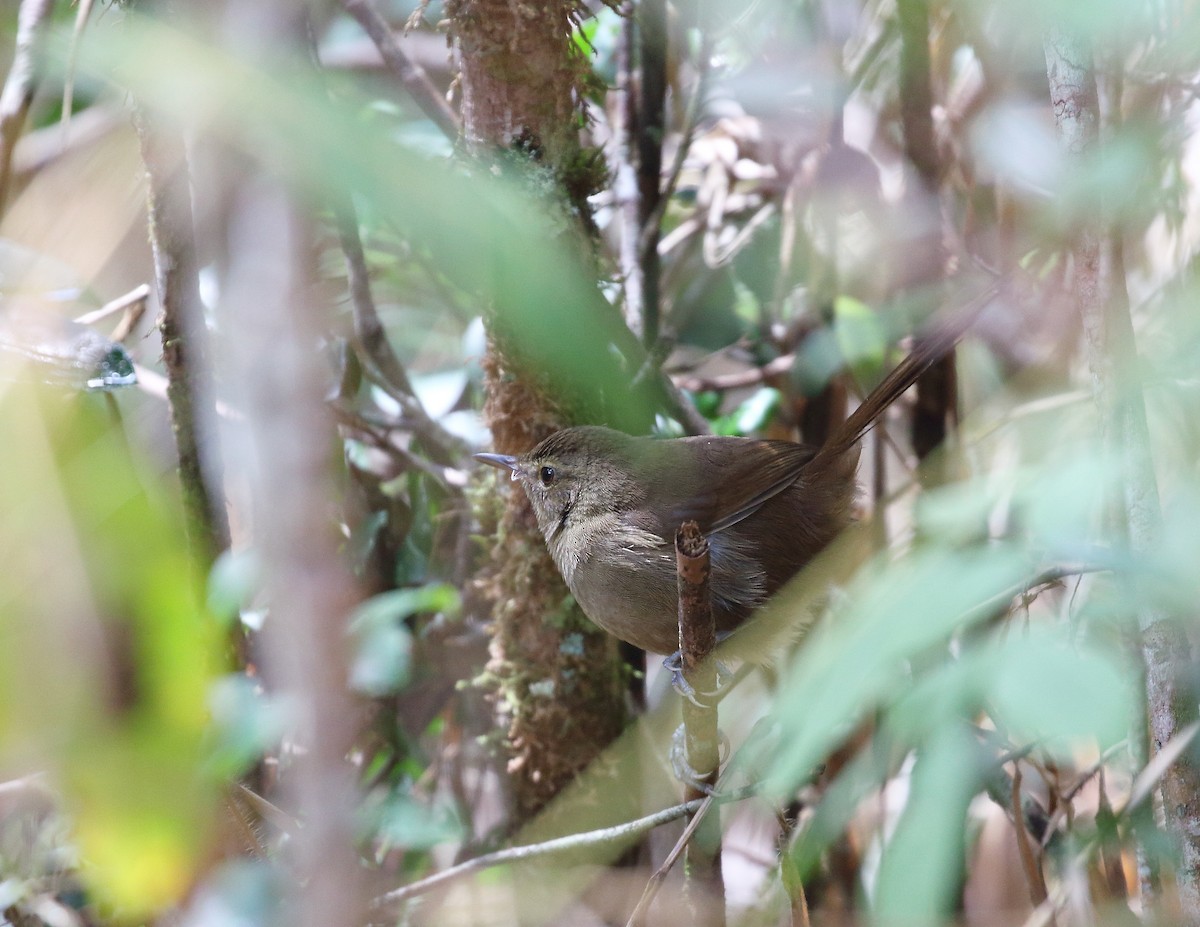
(1026, 812)
(651, 19)
(184, 335)
(409, 73)
(286, 437)
(19, 87)
(697, 641)
(625, 185)
(652, 226)
(68, 104)
(1068, 797)
(375, 348)
(139, 294)
(741, 378)
(616, 834)
(271, 319)
(452, 480)
(1148, 779)
(698, 809)
(1029, 862)
(936, 399)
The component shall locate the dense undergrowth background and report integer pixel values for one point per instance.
(271, 691)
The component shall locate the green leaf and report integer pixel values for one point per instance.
(246, 724)
(401, 821)
(382, 656)
(108, 650)
(922, 863)
(755, 413)
(860, 653)
(860, 336)
(231, 583)
(1049, 692)
(382, 660)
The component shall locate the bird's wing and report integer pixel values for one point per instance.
(745, 474)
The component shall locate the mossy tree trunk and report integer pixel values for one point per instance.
(557, 677)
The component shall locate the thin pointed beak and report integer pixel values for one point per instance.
(502, 461)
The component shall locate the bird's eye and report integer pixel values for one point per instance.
(546, 475)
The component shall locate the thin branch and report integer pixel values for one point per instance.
(574, 842)
(699, 810)
(19, 87)
(653, 223)
(81, 17)
(1148, 779)
(701, 745)
(741, 378)
(407, 71)
(451, 479)
(1068, 797)
(1027, 815)
(184, 335)
(139, 294)
(625, 185)
(1029, 863)
(651, 19)
(936, 399)
(374, 346)
(286, 439)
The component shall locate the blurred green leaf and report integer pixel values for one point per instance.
(752, 415)
(382, 644)
(400, 820)
(860, 653)
(860, 336)
(381, 661)
(232, 582)
(922, 864)
(1057, 696)
(107, 650)
(512, 252)
(755, 413)
(246, 724)
(817, 360)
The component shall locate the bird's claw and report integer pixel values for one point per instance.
(684, 771)
(674, 665)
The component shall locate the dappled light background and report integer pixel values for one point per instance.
(266, 687)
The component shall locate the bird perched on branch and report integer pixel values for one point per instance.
(609, 505)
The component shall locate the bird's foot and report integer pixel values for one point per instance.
(684, 771)
(674, 665)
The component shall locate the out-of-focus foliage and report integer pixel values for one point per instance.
(971, 671)
(108, 654)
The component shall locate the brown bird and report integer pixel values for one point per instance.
(609, 505)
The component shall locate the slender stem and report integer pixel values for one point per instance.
(20, 85)
(936, 399)
(184, 335)
(1135, 515)
(697, 641)
(373, 344)
(1029, 861)
(625, 186)
(571, 843)
(409, 73)
(652, 46)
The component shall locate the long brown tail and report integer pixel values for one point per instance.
(929, 346)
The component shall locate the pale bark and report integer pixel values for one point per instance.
(519, 92)
(1099, 286)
